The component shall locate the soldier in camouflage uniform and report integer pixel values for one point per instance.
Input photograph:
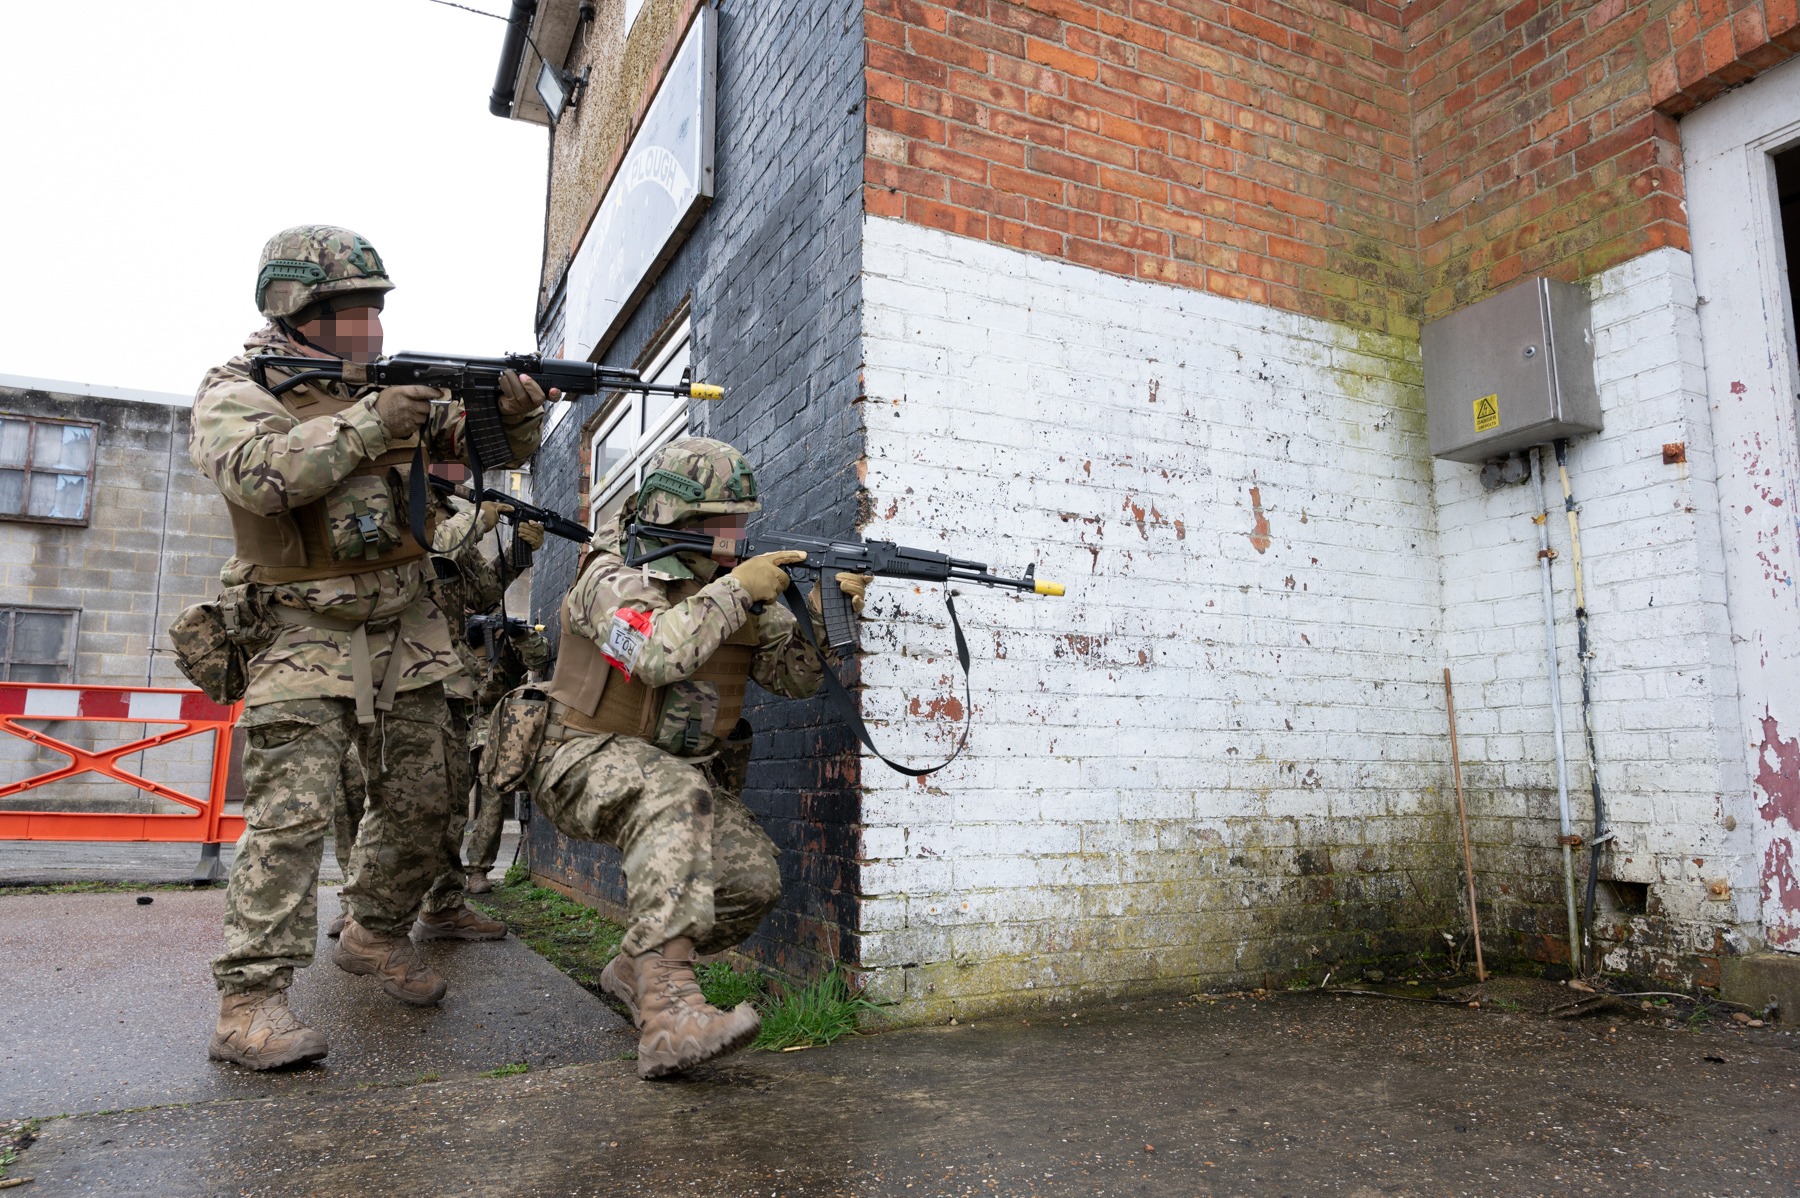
(472, 584)
(645, 750)
(356, 650)
(472, 693)
(528, 651)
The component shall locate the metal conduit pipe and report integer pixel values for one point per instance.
(1585, 653)
(1567, 839)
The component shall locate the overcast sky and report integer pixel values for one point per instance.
(150, 148)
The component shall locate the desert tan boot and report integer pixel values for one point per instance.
(619, 979)
(478, 881)
(337, 927)
(459, 923)
(256, 1030)
(679, 1028)
(403, 972)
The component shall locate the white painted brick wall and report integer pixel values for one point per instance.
(1179, 771)
(1209, 761)
(1663, 679)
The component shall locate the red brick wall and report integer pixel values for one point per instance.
(1255, 149)
(1539, 150)
(1716, 44)
(1351, 160)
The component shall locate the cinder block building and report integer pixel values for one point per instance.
(106, 533)
(1137, 291)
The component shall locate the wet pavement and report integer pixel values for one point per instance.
(106, 1004)
(1300, 1095)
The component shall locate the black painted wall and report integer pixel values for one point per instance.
(772, 274)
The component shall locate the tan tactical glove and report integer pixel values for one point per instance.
(403, 409)
(854, 585)
(763, 576)
(491, 512)
(532, 533)
(519, 395)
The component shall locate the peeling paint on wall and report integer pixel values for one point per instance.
(1778, 775)
(1259, 535)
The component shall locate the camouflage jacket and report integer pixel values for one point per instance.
(264, 459)
(479, 589)
(687, 631)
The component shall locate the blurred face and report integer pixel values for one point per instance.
(353, 334)
(731, 527)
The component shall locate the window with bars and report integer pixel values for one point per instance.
(633, 426)
(46, 469)
(37, 644)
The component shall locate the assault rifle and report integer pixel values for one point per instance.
(555, 523)
(826, 559)
(476, 383)
(494, 633)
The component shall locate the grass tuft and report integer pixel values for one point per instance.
(512, 1070)
(815, 1014)
(109, 887)
(575, 938)
(726, 986)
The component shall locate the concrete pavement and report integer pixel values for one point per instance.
(106, 1004)
(1299, 1095)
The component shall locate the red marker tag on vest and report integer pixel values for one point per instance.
(625, 640)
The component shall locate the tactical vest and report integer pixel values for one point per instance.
(298, 545)
(593, 700)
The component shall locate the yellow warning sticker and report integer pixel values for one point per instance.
(1487, 413)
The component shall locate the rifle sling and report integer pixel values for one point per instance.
(847, 705)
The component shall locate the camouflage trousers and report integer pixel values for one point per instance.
(353, 798)
(490, 813)
(293, 773)
(697, 864)
(447, 888)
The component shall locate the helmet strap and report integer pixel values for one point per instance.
(294, 334)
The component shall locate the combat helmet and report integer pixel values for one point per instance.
(695, 477)
(307, 264)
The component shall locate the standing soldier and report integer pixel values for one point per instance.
(644, 748)
(315, 482)
(471, 585)
(519, 654)
(471, 693)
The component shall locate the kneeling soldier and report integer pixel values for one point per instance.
(645, 749)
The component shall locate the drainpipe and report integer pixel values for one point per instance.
(1567, 839)
(512, 57)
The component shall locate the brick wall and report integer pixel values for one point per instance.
(1712, 45)
(772, 272)
(1539, 149)
(1664, 683)
(1258, 151)
(1222, 755)
(155, 541)
(1357, 162)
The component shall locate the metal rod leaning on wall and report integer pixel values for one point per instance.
(1462, 817)
(1585, 653)
(1567, 839)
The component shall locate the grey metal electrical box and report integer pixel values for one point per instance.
(1514, 370)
